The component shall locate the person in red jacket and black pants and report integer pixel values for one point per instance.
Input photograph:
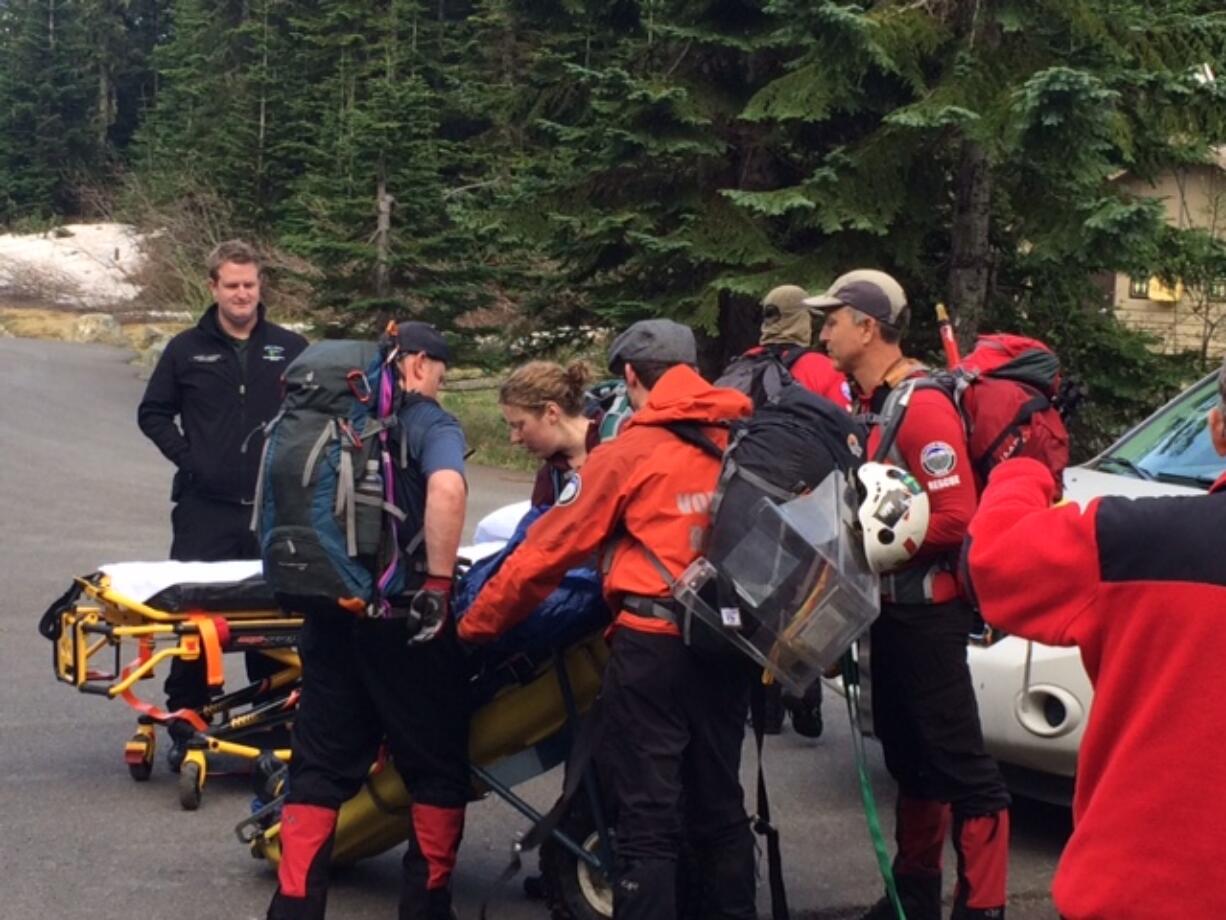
(924, 708)
(1139, 586)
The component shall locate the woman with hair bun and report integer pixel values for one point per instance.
(543, 404)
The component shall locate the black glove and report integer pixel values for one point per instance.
(428, 609)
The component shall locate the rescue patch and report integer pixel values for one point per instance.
(938, 459)
(274, 352)
(945, 482)
(853, 445)
(570, 491)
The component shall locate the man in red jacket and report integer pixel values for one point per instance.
(1140, 588)
(673, 724)
(924, 708)
(787, 333)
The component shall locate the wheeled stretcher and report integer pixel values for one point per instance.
(114, 628)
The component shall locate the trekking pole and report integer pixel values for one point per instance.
(948, 340)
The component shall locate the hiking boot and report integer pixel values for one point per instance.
(180, 733)
(806, 710)
(808, 721)
(920, 897)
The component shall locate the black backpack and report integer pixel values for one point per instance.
(333, 532)
(764, 374)
(785, 449)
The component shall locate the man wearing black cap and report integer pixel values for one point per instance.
(672, 723)
(924, 708)
(364, 679)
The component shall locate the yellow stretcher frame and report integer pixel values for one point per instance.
(103, 621)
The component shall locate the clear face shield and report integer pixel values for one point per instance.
(801, 590)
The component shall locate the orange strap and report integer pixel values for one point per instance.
(210, 648)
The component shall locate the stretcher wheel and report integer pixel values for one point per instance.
(573, 889)
(191, 785)
(138, 754)
(576, 891)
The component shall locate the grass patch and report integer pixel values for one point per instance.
(485, 429)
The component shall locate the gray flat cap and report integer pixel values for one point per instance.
(653, 340)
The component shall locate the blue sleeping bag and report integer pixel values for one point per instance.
(574, 611)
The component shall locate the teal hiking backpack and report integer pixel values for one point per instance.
(332, 534)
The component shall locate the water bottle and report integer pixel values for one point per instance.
(368, 518)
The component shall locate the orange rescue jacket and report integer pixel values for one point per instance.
(646, 488)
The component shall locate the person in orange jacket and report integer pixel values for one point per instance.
(674, 724)
(1139, 586)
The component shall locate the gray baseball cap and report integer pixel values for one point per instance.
(659, 340)
(872, 292)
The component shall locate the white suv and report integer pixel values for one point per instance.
(1034, 699)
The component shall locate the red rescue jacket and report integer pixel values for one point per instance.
(646, 487)
(1140, 588)
(931, 445)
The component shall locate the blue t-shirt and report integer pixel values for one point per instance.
(435, 442)
(435, 439)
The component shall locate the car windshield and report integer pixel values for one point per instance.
(1173, 445)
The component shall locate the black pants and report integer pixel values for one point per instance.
(670, 757)
(210, 531)
(924, 708)
(362, 683)
(926, 715)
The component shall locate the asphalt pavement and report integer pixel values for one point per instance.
(80, 486)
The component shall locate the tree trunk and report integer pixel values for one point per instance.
(970, 269)
(739, 320)
(383, 202)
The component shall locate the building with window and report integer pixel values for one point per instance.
(1183, 317)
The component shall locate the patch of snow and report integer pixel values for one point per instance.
(83, 266)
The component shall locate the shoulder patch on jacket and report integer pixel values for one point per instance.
(938, 458)
(570, 491)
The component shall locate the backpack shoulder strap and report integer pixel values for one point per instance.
(788, 355)
(691, 433)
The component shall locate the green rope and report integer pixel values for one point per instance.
(851, 690)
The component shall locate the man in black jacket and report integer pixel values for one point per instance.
(221, 380)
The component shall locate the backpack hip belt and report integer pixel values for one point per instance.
(660, 608)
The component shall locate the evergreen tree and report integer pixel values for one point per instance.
(46, 108)
(369, 211)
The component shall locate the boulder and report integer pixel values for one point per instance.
(97, 327)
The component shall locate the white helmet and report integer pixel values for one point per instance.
(893, 515)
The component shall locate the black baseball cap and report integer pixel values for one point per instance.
(415, 337)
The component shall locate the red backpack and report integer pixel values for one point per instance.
(1006, 391)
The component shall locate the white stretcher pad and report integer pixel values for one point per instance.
(140, 581)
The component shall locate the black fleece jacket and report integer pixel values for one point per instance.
(218, 402)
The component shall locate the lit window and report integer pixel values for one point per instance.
(1138, 287)
(1217, 289)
